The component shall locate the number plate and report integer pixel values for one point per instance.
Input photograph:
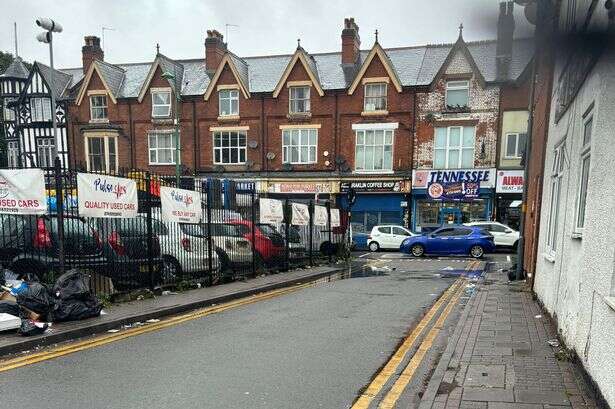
(143, 268)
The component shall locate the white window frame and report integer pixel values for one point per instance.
(384, 97)
(517, 153)
(557, 173)
(229, 95)
(157, 149)
(585, 156)
(364, 133)
(287, 148)
(167, 106)
(40, 109)
(456, 85)
(109, 167)
(46, 152)
(292, 102)
(9, 113)
(12, 154)
(104, 109)
(448, 148)
(239, 148)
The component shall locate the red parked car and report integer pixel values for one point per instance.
(268, 243)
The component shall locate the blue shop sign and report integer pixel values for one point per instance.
(453, 190)
(454, 178)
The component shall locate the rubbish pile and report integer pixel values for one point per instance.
(31, 307)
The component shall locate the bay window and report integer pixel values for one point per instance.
(101, 153)
(454, 147)
(299, 145)
(161, 103)
(374, 150)
(230, 147)
(228, 101)
(162, 148)
(375, 97)
(98, 107)
(457, 93)
(299, 100)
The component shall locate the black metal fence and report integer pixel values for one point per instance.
(124, 254)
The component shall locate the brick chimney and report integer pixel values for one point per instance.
(506, 29)
(91, 51)
(351, 42)
(214, 50)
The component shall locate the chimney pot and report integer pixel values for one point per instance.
(91, 51)
(351, 42)
(215, 48)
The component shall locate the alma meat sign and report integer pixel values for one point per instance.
(22, 191)
(180, 205)
(106, 196)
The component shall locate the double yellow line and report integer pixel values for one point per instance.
(450, 298)
(132, 332)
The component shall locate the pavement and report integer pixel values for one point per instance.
(316, 347)
(503, 354)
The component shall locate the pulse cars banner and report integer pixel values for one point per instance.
(271, 211)
(180, 205)
(106, 196)
(320, 216)
(300, 214)
(335, 218)
(22, 191)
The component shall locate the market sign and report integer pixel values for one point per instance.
(320, 216)
(106, 196)
(509, 181)
(300, 214)
(375, 186)
(22, 191)
(271, 211)
(335, 218)
(454, 190)
(422, 179)
(180, 205)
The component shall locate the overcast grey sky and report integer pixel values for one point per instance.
(265, 26)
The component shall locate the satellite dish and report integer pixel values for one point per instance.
(327, 163)
(253, 144)
(270, 155)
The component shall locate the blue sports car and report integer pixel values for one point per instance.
(471, 240)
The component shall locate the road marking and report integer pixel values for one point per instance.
(363, 255)
(106, 339)
(400, 384)
(391, 366)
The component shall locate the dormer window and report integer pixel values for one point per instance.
(457, 94)
(161, 103)
(299, 100)
(228, 100)
(375, 97)
(98, 107)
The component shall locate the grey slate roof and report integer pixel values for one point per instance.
(16, 69)
(173, 67)
(61, 80)
(413, 66)
(113, 76)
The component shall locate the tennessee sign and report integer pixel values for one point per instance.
(421, 179)
(180, 205)
(106, 196)
(509, 181)
(453, 191)
(22, 191)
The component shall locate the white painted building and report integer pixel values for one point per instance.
(575, 271)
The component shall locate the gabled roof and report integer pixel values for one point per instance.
(16, 69)
(61, 80)
(110, 75)
(460, 46)
(376, 50)
(240, 70)
(309, 64)
(166, 65)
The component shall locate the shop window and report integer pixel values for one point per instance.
(363, 222)
(557, 172)
(454, 147)
(584, 176)
(374, 150)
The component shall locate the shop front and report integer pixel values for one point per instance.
(509, 193)
(377, 202)
(451, 196)
(302, 190)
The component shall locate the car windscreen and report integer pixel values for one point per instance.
(195, 230)
(223, 229)
(268, 230)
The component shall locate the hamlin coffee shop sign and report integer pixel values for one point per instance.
(458, 184)
(392, 186)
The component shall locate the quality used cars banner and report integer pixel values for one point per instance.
(180, 205)
(271, 211)
(106, 196)
(300, 214)
(22, 191)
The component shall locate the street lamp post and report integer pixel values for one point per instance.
(47, 37)
(171, 77)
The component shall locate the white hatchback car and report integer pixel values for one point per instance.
(503, 236)
(387, 237)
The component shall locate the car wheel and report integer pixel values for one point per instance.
(373, 247)
(515, 245)
(171, 270)
(225, 265)
(477, 251)
(417, 250)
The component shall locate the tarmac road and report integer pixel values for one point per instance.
(314, 348)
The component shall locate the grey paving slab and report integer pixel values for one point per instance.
(542, 396)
